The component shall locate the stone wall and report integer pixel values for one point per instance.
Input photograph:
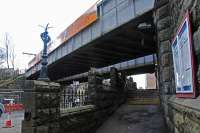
(83, 119)
(165, 71)
(102, 96)
(180, 117)
(184, 115)
(42, 107)
(103, 101)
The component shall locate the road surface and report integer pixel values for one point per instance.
(135, 119)
(16, 118)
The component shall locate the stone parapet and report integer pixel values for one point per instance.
(184, 114)
(79, 120)
(42, 107)
(105, 96)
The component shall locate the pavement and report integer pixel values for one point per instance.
(135, 119)
(16, 118)
(127, 119)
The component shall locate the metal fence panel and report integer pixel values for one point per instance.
(125, 11)
(109, 20)
(108, 5)
(142, 6)
(77, 41)
(120, 1)
(86, 36)
(96, 30)
(70, 44)
(74, 96)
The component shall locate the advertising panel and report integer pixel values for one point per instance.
(183, 60)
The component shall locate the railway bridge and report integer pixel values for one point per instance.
(109, 33)
(111, 40)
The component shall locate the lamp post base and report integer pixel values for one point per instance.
(43, 74)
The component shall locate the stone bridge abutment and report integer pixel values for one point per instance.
(42, 105)
(181, 114)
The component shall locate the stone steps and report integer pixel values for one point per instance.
(144, 101)
(143, 97)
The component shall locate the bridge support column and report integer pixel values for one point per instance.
(106, 96)
(118, 84)
(168, 17)
(42, 108)
(165, 69)
(114, 79)
(94, 86)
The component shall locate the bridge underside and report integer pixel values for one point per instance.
(83, 77)
(132, 40)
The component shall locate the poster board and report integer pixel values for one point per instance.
(183, 60)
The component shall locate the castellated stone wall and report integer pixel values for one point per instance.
(42, 108)
(182, 115)
(42, 105)
(103, 100)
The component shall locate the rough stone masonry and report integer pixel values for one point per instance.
(181, 115)
(42, 107)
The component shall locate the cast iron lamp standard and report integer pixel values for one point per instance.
(46, 39)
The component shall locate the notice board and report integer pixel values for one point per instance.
(183, 60)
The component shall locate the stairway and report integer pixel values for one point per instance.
(143, 97)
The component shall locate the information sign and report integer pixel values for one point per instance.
(183, 60)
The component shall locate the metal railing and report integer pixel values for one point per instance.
(74, 96)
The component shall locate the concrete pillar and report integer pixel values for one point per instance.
(42, 107)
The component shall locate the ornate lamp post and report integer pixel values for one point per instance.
(46, 39)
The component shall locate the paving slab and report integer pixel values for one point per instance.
(135, 119)
(16, 118)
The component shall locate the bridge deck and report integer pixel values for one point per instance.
(137, 66)
(123, 31)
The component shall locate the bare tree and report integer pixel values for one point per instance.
(10, 52)
(2, 56)
(12, 56)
